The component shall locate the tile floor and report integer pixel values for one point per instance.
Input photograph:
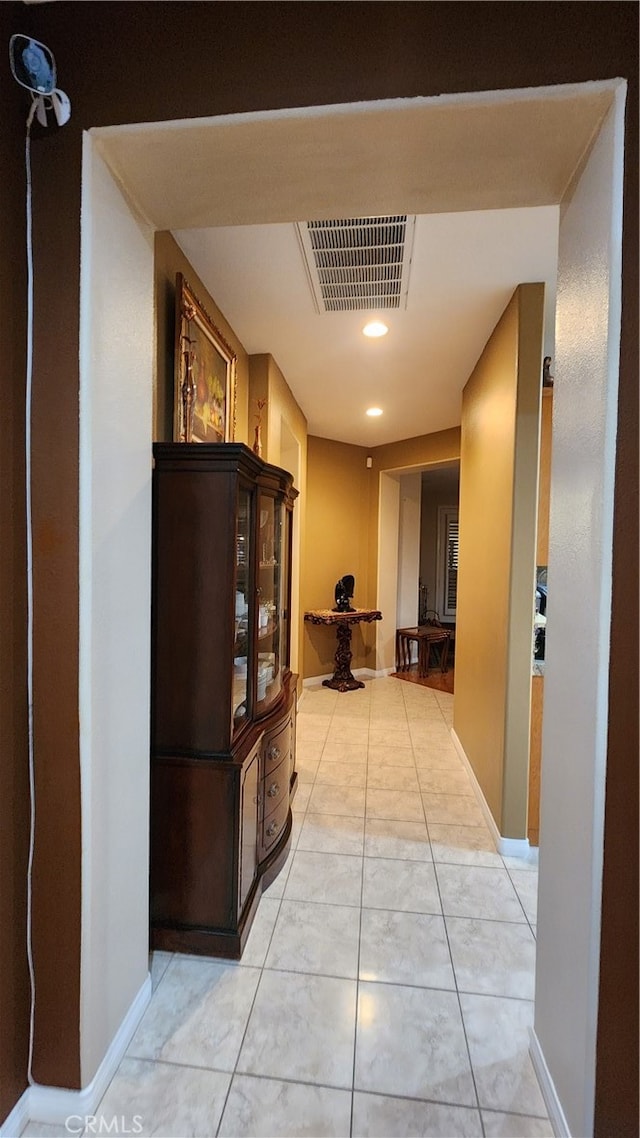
(387, 984)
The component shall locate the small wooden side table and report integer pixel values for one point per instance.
(342, 679)
(425, 635)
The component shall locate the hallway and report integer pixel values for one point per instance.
(387, 985)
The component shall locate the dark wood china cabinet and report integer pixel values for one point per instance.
(223, 698)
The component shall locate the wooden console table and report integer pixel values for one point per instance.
(342, 679)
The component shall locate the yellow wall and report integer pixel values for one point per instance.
(497, 516)
(266, 381)
(336, 541)
(169, 260)
(423, 450)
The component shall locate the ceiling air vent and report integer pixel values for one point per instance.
(358, 263)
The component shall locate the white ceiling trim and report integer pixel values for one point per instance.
(509, 149)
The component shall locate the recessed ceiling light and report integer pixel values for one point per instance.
(374, 329)
(374, 412)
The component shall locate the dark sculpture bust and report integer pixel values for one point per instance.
(343, 594)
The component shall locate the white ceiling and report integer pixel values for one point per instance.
(484, 173)
(465, 267)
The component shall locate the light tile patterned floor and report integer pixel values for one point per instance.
(387, 985)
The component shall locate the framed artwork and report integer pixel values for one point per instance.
(205, 374)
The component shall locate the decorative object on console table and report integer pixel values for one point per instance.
(205, 374)
(343, 593)
(257, 440)
(223, 698)
(343, 679)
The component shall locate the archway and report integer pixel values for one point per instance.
(112, 508)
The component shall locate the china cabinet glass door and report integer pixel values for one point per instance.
(285, 558)
(270, 600)
(241, 625)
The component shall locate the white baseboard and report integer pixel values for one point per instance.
(556, 1114)
(15, 1122)
(518, 847)
(508, 847)
(56, 1104)
(315, 681)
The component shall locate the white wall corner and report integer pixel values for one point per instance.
(508, 847)
(116, 371)
(55, 1105)
(576, 700)
(557, 1119)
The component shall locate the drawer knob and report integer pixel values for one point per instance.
(272, 829)
(273, 753)
(273, 790)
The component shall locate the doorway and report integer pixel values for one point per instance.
(567, 994)
(427, 563)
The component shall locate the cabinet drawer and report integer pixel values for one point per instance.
(277, 747)
(274, 823)
(275, 786)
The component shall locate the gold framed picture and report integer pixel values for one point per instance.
(205, 374)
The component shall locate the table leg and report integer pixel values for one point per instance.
(342, 679)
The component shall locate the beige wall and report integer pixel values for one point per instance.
(169, 260)
(498, 496)
(523, 560)
(423, 450)
(267, 381)
(336, 541)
